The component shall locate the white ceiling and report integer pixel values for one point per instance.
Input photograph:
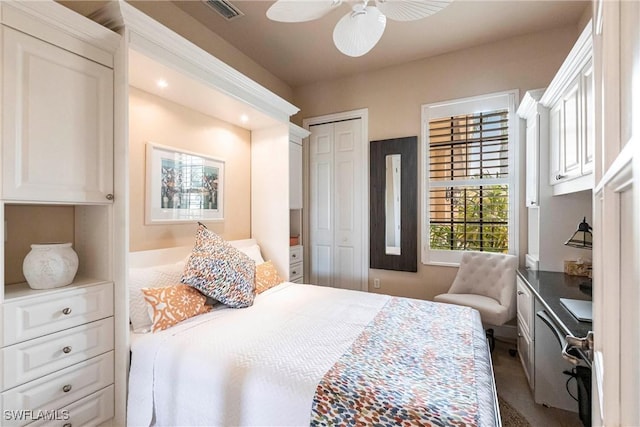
(303, 53)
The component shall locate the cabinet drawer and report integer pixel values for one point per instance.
(525, 351)
(61, 388)
(296, 271)
(90, 411)
(295, 254)
(525, 306)
(29, 360)
(36, 316)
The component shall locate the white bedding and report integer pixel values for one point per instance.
(263, 362)
(258, 365)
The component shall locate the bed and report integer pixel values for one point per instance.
(312, 355)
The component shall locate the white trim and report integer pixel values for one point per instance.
(298, 132)
(470, 105)
(172, 50)
(61, 26)
(576, 60)
(362, 114)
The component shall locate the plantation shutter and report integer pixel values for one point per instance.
(469, 182)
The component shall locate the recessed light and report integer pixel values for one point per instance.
(244, 118)
(162, 83)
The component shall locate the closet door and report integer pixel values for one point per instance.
(57, 123)
(336, 206)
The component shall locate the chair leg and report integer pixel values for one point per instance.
(491, 339)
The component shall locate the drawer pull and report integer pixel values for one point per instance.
(294, 256)
(66, 311)
(66, 350)
(520, 293)
(67, 425)
(293, 273)
(66, 388)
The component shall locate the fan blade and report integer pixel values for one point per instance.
(410, 10)
(359, 31)
(300, 10)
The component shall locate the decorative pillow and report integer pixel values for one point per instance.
(150, 277)
(220, 271)
(252, 252)
(266, 277)
(173, 304)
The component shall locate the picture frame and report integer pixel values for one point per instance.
(182, 186)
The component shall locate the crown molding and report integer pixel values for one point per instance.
(580, 55)
(153, 39)
(530, 103)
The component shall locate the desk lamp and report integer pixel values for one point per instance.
(582, 239)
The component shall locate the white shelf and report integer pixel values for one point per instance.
(22, 290)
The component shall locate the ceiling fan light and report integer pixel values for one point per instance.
(359, 31)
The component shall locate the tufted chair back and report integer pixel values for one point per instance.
(489, 274)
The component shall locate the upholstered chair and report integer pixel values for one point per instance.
(487, 282)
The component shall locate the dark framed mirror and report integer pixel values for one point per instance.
(393, 216)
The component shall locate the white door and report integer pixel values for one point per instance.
(336, 199)
(616, 376)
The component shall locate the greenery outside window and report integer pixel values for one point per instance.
(469, 202)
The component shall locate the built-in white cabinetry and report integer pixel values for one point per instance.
(571, 105)
(295, 174)
(57, 115)
(525, 304)
(536, 118)
(58, 346)
(559, 159)
(296, 253)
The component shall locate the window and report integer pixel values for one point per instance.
(469, 201)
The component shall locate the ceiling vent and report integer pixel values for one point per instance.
(224, 8)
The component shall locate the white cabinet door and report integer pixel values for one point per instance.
(555, 143)
(532, 168)
(57, 123)
(587, 119)
(570, 147)
(295, 175)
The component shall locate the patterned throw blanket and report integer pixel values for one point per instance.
(414, 364)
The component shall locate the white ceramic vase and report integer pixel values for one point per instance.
(50, 265)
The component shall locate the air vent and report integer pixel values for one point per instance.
(224, 8)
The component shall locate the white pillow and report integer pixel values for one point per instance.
(252, 252)
(150, 277)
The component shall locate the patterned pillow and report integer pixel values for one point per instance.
(150, 277)
(173, 304)
(266, 277)
(220, 271)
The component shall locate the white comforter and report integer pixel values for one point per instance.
(252, 366)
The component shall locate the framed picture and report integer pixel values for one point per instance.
(182, 186)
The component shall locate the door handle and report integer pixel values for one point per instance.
(585, 344)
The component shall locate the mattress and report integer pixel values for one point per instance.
(312, 355)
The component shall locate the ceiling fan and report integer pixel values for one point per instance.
(359, 30)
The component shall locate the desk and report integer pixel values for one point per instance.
(546, 365)
(548, 287)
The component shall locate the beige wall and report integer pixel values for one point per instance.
(394, 97)
(153, 119)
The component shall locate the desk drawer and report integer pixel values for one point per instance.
(29, 360)
(90, 411)
(29, 318)
(525, 351)
(61, 388)
(525, 306)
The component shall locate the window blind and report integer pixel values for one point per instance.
(468, 182)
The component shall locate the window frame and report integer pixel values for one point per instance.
(471, 105)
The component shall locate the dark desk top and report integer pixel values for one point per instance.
(549, 287)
